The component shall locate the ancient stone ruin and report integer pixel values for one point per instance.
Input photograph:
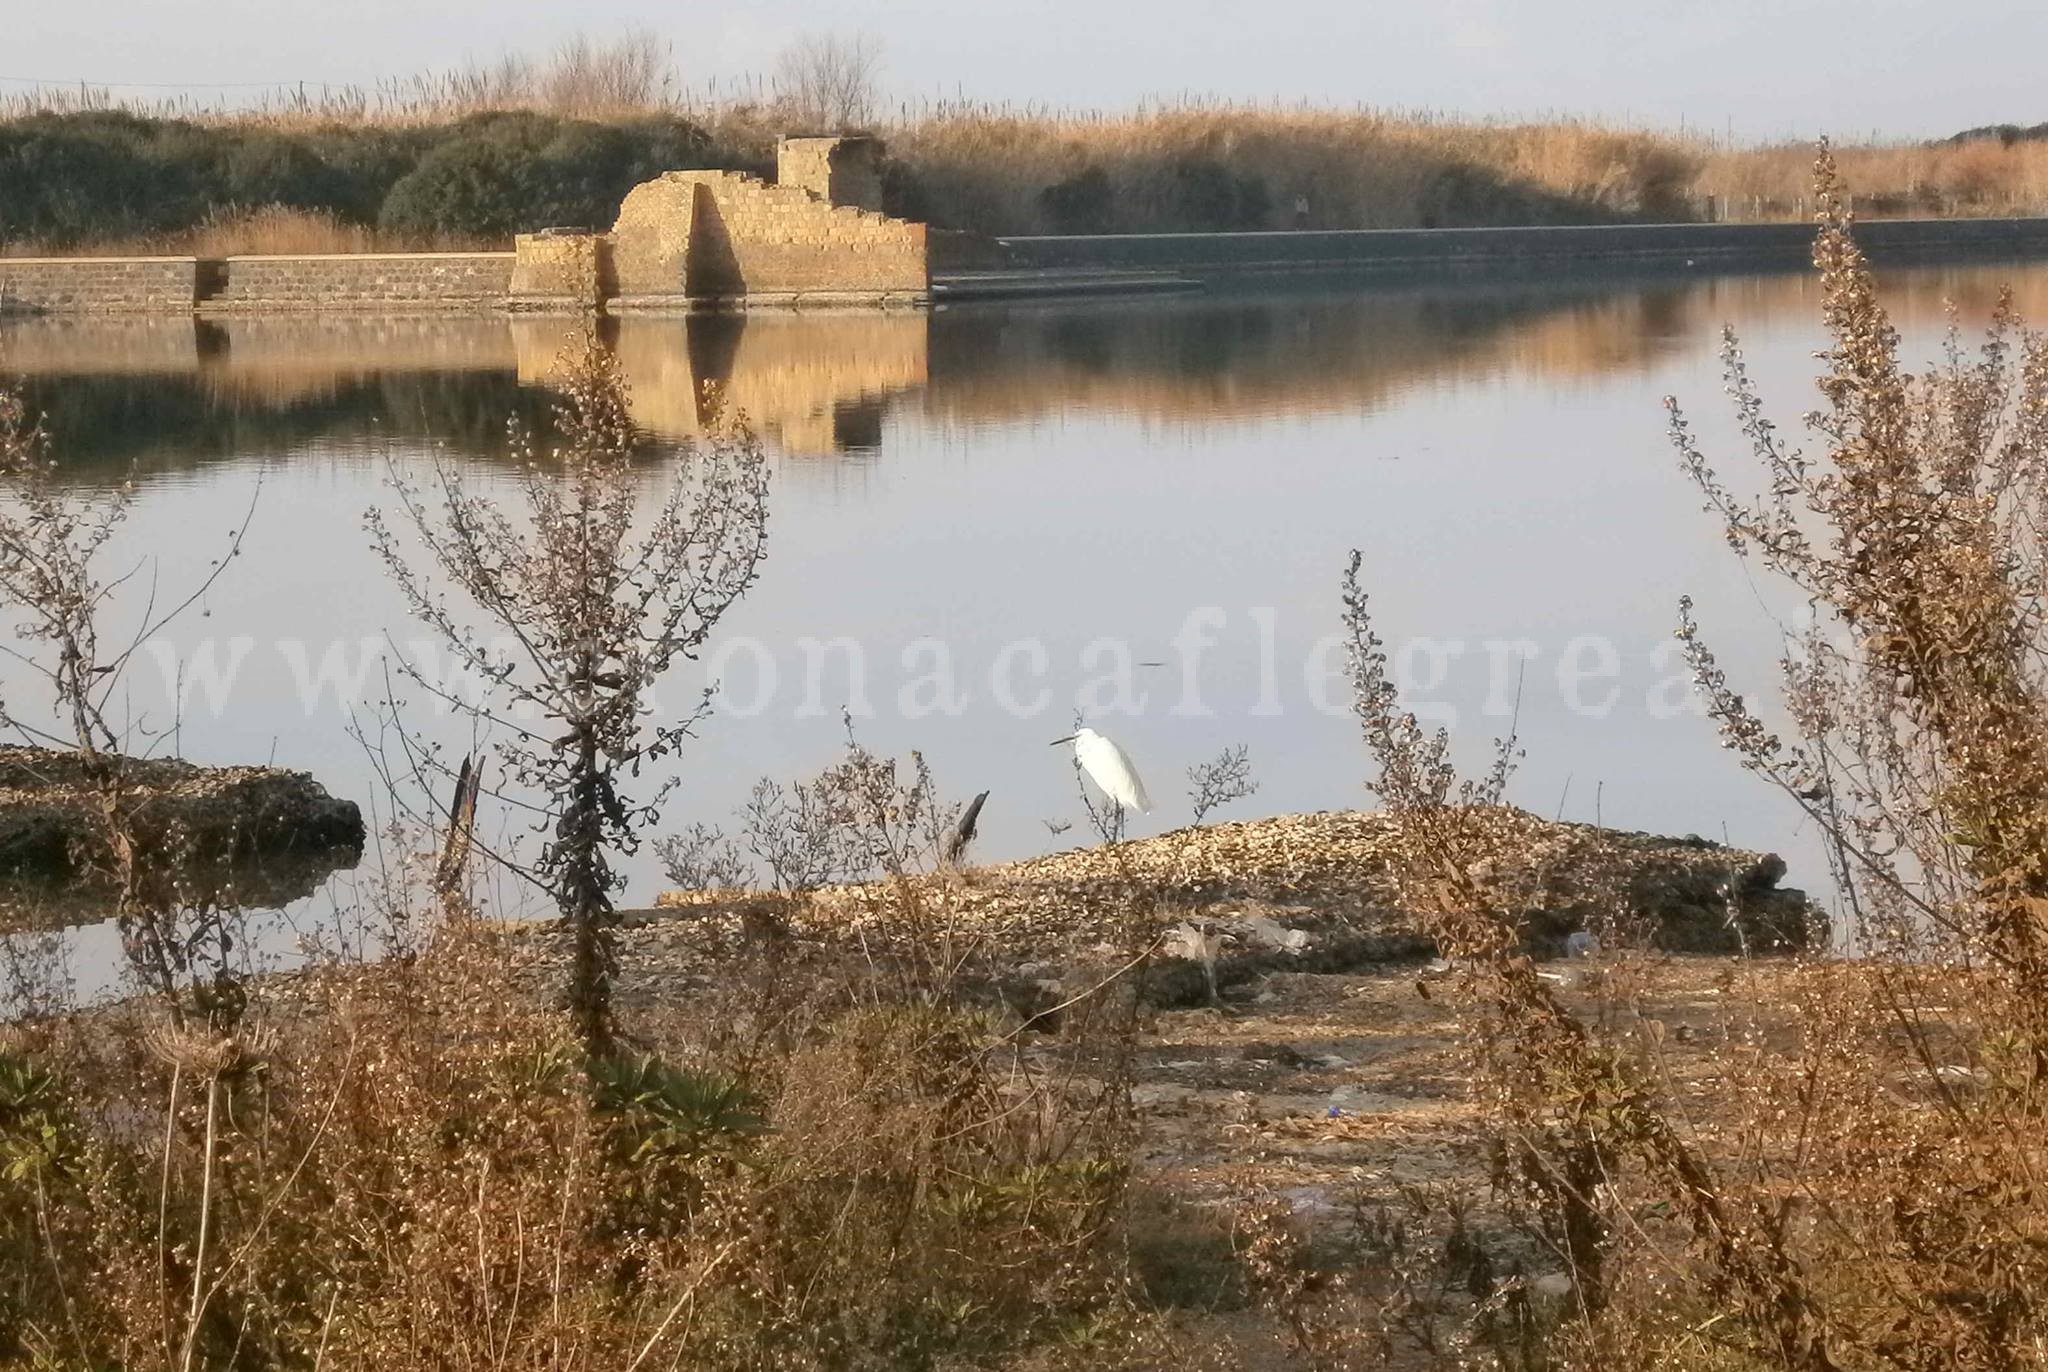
(840, 171)
(689, 238)
(685, 239)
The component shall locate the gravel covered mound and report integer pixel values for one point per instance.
(1691, 894)
(1321, 874)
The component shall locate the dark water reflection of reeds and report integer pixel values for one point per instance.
(168, 395)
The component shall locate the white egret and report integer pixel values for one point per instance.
(1109, 767)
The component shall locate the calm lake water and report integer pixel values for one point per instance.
(1033, 499)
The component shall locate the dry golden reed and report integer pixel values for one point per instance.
(1191, 162)
(1858, 1185)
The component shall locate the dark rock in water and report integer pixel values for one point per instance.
(52, 813)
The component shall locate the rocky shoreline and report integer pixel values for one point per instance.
(271, 834)
(1227, 906)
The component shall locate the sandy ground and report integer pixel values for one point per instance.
(1346, 1096)
(1327, 1077)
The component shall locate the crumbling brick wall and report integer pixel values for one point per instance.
(555, 271)
(839, 171)
(710, 235)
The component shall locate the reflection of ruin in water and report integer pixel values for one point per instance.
(812, 385)
(164, 395)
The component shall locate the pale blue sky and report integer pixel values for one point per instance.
(1764, 67)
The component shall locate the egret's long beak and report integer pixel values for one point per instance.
(1058, 741)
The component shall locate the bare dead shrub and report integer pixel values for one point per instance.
(177, 921)
(827, 82)
(1572, 1112)
(819, 1160)
(822, 1159)
(1867, 1196)
(1222, 780)
(599, 610)
(1920, 721)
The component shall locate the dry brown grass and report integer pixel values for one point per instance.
(988, 166)
(1863, 1191)
(1394, 169)
(414, 1166)
(825, 1157)
(267, 230)
(1362, 169)
(1979, 177)
(630, 74)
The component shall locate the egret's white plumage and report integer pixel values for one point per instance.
(1109, 767)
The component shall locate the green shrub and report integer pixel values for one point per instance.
(904, 193)
(658, 1111)
(101, 176)
(65, 179)
(264, 168)
(461, 188)
(498, 174)
(34, 1134)
(366, 163)
(1083, 203)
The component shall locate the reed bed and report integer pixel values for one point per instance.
(1187, 163)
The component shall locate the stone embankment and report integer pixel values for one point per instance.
(694, 240)
(1426, 252)
(472, 282)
